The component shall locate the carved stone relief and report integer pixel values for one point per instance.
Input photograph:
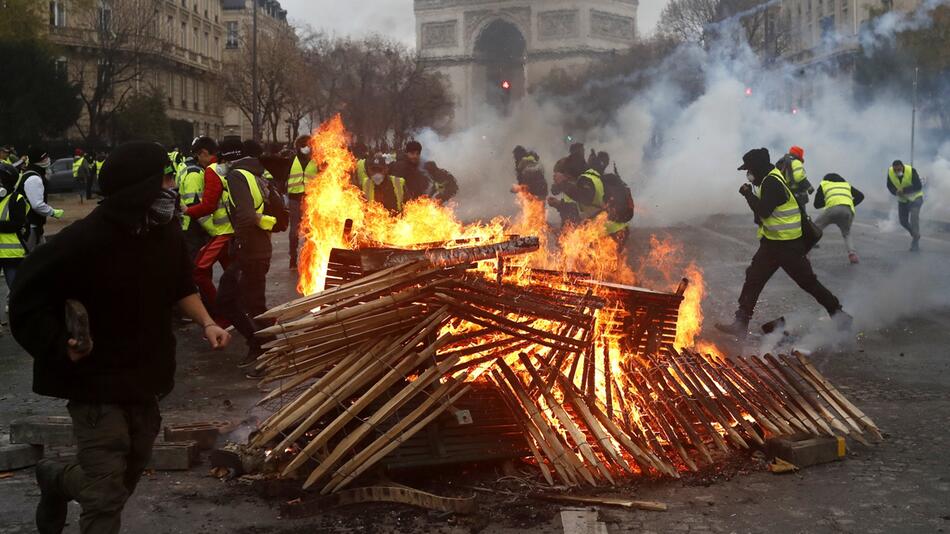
(557, 24)
(611, 26)
(440, 34)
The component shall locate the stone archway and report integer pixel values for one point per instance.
(499, 55)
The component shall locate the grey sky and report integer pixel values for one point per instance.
(394, 18)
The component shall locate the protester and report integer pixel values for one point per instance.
(127, 265)
(33, 186)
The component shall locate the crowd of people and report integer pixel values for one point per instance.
(167, 218)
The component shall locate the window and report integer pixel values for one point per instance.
(232, 35)
(62, 66)
(105, 17)
(217, 47)
(827, 26)
(204, 44)
(183, 89)
(195, 43)
(194, 93)
(57, 13)
(171, 29)
(184, 35)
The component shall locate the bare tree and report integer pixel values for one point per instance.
(686, 20)
(126, 37)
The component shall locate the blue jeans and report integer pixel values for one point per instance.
(9, 268)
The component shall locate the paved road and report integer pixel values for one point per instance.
(896, 369)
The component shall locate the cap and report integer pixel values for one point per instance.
(230, 150)
(755, 158)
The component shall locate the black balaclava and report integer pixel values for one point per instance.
(131, 181)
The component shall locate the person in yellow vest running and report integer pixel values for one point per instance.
(904, 183)
(373, 179)
(779, 218)
(302, 169)
(838, 198)
(589, 193)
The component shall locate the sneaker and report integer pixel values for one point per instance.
(853, 258)
(772, 326)
(915, 245)
(254, 374)
(737, 328)
(250, 359)
(52, 509)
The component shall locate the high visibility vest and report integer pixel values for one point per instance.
(99, 166)
(219, 222)
(190, 189)
(785, 222)
(589, 211)
(369, 189)
(296, 182)
(612, 227)
(10, 245)
(77, 164)
(361, 174)
(904, 183)
(257, 196)
(837, 194)
(798, 172)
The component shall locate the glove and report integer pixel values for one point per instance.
(745, 190)
(811, 190)
(58, 214)
(553, 202)
(267, 222)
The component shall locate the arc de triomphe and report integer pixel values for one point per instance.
(482, 44)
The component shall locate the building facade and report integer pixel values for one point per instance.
(238, 20)
(173, 47)
(493, 51)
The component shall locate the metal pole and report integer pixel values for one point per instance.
(256, 89)
(913, 120)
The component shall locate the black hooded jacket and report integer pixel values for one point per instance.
(417, 183)
(128, 277)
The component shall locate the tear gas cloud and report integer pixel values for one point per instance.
(680, 155)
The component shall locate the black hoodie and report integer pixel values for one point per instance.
(128, 278)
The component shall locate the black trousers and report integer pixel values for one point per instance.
(790, 257)
(242, 294)
(909, 215)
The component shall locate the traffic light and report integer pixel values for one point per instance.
(506, 85)
(748, 91)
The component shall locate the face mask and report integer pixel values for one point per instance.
(224, 167)
(749, 176)
(900, 174)
(163, 208)
(378, 178)
(43, 163)
(305, 151)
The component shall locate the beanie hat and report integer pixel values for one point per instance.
(132, 163)
(798, 152)
(230, 150)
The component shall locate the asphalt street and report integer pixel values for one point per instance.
(896, 368)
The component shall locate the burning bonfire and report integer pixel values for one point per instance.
(403, 316)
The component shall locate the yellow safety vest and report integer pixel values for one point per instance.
(785, 223)
(10, 245)
(798, 171)
(296, 182)
(219, 222)
(904, 183)
(257, 196)
(361, 174)
(77, 164)
(837, 194)
(369, 189)
(99, 166)
(190, 189)
(589, 211)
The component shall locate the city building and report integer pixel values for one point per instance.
(238, 20)
(116, 48)
(493, 51)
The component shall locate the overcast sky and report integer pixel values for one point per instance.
(394, 18)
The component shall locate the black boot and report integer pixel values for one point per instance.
(51, 512)
(250, 359)
(915, 245)
(738, 328)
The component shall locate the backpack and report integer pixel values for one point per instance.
(617, 198)
(274, 205)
